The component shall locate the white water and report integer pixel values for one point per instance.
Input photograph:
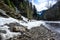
(53, 28)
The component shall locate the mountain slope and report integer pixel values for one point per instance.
(53, 13)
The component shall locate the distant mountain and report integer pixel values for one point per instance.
(40, 15)
(41, 12)
(53, 13)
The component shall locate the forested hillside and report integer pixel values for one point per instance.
(52, 14)
(16, 8)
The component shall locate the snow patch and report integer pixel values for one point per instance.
(7, 20)
(25, 19)
(33, 23)
(8, 34)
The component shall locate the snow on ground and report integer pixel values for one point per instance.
(32, 24)
(7, 20)
(36, 23)
(8, 33)
(29, 24)
(10, 20)
(25, 19)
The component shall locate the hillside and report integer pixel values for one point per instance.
(16, 8)
(53, 13)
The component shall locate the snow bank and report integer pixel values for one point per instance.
(8, 33)
(33, 23)
(7, 20)
(25, 19)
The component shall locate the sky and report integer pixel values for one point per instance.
(42, 4)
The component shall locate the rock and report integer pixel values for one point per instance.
(35, 33)
(16, 27)
(51, 39)
(20, 38)
(3, 31)
(42, 33)
(0, 37)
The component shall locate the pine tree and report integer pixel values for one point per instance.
(24, 6)
(35, 12)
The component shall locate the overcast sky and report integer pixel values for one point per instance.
(42, 4)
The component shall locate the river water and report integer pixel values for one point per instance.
(53, 25)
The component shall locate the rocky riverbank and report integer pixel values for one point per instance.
(35, 33)
(42, 33)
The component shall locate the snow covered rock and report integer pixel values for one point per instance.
(13, 28)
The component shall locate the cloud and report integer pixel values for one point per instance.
(41, 4)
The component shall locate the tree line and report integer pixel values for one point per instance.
(24, 7)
